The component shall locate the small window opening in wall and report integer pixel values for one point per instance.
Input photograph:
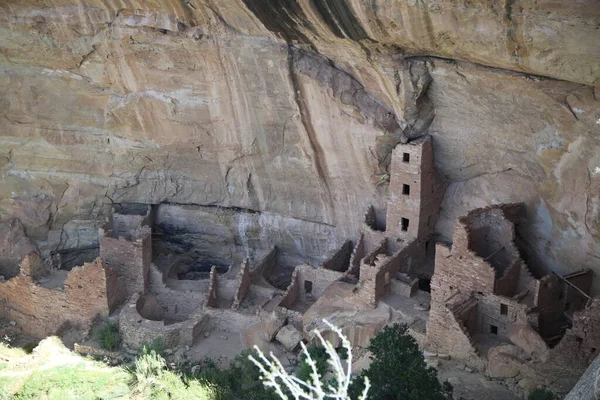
(406, 157)
(579, 340)
(493, 329)
(308, 286)
(567, 306)
(503, 309)
(404, 224)
(429, 220)
(593, 349)
(405, 189)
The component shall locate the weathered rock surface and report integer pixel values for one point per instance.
(528, 340)
(586, 388)
(226, 103)
(289, 337)
(504, 361)
(14, 245)
(358, 323)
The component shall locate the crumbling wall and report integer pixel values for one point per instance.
(242, 282)
(313, 280)
(265, 266)
(177, 305)
(358, 253)
(32, 265)
(41, 311)
(127, 218)
(211, 297)
(375, 276)
(460, 269)
(507, 284)
(491, 237)
(340, 259)
(580, 344)
(496, 313)
(446, 332)
(404, 287)
(292, 292)
(130, 258)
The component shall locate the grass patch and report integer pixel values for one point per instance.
(11, 352)
(75, 382)
(108, 336)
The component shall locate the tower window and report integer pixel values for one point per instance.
(406, 189)
(406, 157)
(503, 309)
(308, 285)
(493, 329)
(404, 224)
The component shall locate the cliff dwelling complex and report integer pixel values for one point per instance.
(475, 300)
(223, 174)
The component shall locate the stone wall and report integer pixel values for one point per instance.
(33, 266)
(211, 299)
(507, 284)
(447, 333)
(243, 281)
(41, 311)
(292, 293)
(177, 305)
(130, 258)
(460, 269)
(314, 280)
(403, 287)
(375, 276)
(415, 191)
(265, 266)
(127, 218)
(498, 312)
(340, 259)
(357, 255)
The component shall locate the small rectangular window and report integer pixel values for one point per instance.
(493, 329)
(406, 189)
(308, 286)
(406, 157)
(404, 224)
(503, 309)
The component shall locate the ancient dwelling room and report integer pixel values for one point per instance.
(303, 199)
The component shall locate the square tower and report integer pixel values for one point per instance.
(415, 191)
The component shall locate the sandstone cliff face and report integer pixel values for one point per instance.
(291, 108)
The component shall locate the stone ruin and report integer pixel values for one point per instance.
(488, 309)
(485, 308)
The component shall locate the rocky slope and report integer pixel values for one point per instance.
(290, 108)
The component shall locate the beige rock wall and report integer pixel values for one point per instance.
(204, 103)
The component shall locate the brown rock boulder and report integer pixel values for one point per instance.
(528, 340)
(505, 361)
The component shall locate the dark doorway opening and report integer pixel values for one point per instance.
(425, 284)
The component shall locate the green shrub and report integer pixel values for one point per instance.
(28, 347)
(398, 370)
(541, 394)
(319, 356)
(158, 345)
(108, 336)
